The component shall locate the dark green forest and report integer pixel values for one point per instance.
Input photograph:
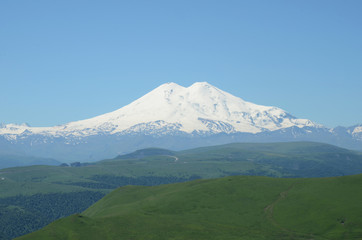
(22, 214)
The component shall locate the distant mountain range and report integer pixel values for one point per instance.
(7, 161)
(174, 117)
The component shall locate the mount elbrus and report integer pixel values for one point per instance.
(175, 117)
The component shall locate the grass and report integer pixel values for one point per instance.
(155, 166)
(239, 207)
(297, 159)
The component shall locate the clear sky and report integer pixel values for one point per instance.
(62, 61)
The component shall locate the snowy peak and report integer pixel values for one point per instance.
(357, 129)
(174, 104)
(174, 116)
(171, 108)
(13, 128)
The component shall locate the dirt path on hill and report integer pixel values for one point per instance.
(270, 208)
(269, 214)
(176, 158)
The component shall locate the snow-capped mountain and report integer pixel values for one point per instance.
(171, 107)
(175, 117)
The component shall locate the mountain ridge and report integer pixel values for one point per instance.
(193, 108)
(174, 117)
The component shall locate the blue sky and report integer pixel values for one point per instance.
(62, 61)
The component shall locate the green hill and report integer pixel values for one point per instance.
(155, 166)
(57, 187)
(146, 153)
(239, 207)
(293, 159)
(7, 161)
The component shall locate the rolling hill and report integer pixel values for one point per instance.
(239, 207)
(294, 159)
(7, 161)
(59, 187)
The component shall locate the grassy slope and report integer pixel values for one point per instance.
(299, 159)
(241, 207)
(277, 159)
